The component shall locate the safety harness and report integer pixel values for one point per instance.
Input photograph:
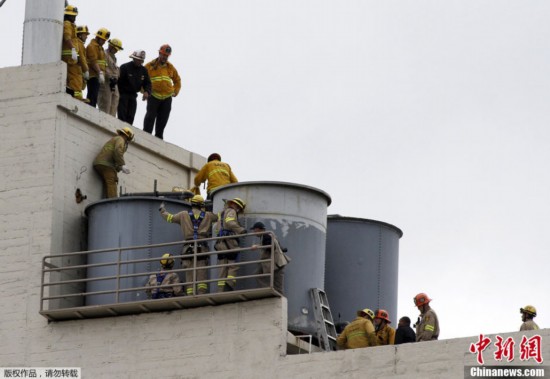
(156, 292)
(196, 221)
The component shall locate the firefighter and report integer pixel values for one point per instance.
(108, 91)
(228, 225)
(82, 34)
(281, 260)
(163, 278)
(166, 84)
(195, 224)
(427, 326)
(384, 332)
(97, 64)
(359, 333)
(527, 314)
(110, 160)
(216, 172)
(69, 53)
(133, 79)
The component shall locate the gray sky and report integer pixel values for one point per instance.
(429, 115)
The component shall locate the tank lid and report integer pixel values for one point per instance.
(133, 198)
(281, 184)
(365, 220)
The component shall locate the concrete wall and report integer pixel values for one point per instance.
(48, 143)
(437, 359)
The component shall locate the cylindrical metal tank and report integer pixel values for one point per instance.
(126, 222)
(362, 261)
(296, 214)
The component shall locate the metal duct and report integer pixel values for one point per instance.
(42, 31)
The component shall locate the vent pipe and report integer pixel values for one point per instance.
(42, 31)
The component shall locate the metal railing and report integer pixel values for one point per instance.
(69, 280)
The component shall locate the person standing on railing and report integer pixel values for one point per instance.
(164, 278)
(228, 225)
(195, 224)
(281, 259)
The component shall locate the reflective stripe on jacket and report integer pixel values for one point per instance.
(95, 54)
(360, 333)
(217, 173)
(165, 80)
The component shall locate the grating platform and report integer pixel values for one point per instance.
(157, 305)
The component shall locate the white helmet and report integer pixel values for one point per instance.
(138, 54)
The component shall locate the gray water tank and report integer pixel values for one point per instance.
(297, 215)
(125, 222)
(362, 260)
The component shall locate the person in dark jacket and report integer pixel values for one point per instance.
(404, 333)
(133, 78)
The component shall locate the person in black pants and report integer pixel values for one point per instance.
(133, 78)
(166, 83)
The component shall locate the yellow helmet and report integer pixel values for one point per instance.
(197, 199)
(167, 260)
(82, 29)
(71, 10)
(240, 203)
(367, 312)
(103, 33)
(116, 43)
(127, 132)
(529, 309)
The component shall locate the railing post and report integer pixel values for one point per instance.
(117, 293)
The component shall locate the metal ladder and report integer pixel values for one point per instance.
(326, 331)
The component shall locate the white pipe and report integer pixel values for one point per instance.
(42, 31)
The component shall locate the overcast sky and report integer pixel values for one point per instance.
(432, 116)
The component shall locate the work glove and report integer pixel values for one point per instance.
(125, 170)
(74, 55)
(161, 208)
(86, 75)
(101, 77)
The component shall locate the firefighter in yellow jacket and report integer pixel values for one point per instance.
(359, 333)
(82, 34)
(97, 64)
(427, 326)
(69, 53)
(228, 225)
(527, 314)
(110, 160)
(195, 224)
(157, 281)
(216, 172)
(384, 332)
(166, 83)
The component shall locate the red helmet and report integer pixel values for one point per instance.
(165, 50)
(421, 299)
(381, 313)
